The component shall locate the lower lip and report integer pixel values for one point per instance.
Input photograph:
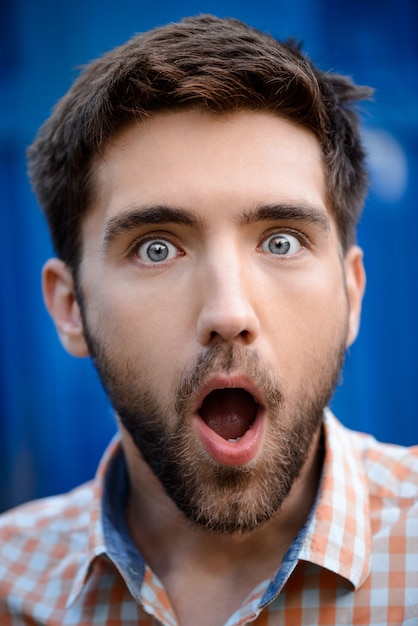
(226, 452)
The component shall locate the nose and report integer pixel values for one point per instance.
(227, 313)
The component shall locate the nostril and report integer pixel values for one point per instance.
(243, 335)
(227, 320)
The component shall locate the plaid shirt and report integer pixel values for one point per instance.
(69, 559)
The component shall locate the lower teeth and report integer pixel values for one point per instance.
(234, 440)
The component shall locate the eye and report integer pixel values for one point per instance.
(281, 244)
(156, 251)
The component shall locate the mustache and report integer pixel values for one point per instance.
(226, 359)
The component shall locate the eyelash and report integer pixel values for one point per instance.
(303, 239)
(140, 241)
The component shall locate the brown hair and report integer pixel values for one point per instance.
(219, 65)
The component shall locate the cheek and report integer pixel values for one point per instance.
(323, 314)
(307, 322)
(311, 304)
(144, 328)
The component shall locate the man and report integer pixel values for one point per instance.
(202, 185)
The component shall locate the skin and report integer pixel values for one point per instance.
(221, 285)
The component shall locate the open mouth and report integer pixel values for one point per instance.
(229, 412)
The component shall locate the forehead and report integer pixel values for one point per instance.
(201, 160)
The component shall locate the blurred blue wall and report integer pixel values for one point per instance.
(54, 419)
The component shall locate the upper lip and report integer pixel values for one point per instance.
(228, 381)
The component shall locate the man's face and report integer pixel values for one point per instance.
(215, 305)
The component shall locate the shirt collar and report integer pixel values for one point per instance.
(336, 536)
(96, 545)
(339, 536)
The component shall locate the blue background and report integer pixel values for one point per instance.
(54, 419)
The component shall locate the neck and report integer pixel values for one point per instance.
(168, 541)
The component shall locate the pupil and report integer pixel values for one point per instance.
(157, 251)
(279, 245)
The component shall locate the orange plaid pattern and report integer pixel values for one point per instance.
(355, 561)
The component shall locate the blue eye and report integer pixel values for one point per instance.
(156, 251)
(281, 244)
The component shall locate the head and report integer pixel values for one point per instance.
(217, 65)
(202, 184)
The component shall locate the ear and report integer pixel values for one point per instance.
(60, 300)
(355, 277)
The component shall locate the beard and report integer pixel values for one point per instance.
(220, 498)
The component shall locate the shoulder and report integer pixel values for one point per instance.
(391, 478)
(45, 548)
(387, 474)
(391, 470)
(49, 526)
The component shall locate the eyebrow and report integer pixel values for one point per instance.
(300, 211)
(138, 216)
